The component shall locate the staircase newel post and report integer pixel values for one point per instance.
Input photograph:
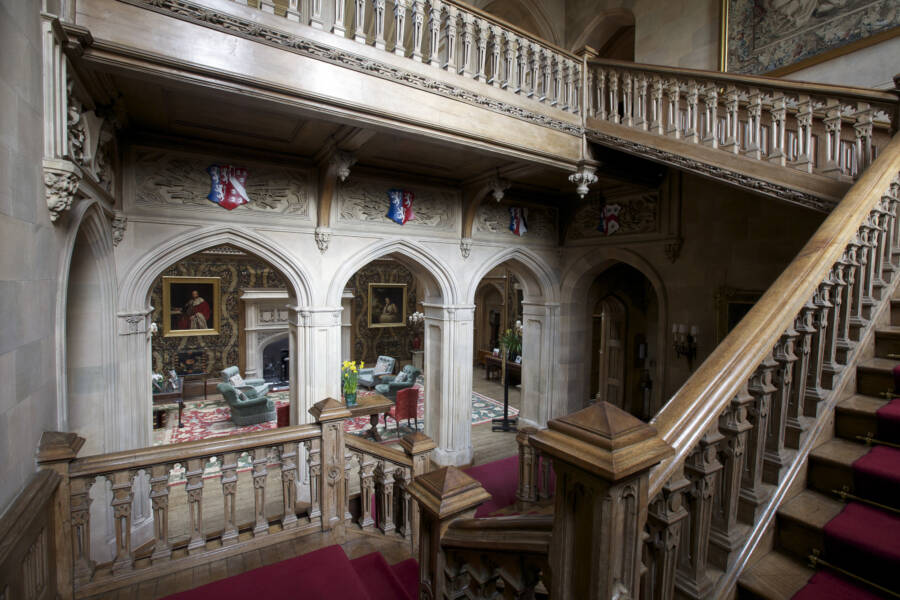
(417, 447)
(442, 496)
(602, 457)
(528, 469)
(330, 414)
(71, 522)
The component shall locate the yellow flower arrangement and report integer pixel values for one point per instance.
(350, 377)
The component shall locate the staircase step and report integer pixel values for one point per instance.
(826, 585)
(876, 476)
(865, 541)
(874, 376)
(831, 465)
(857, 416)
(379, 579)
(776, 576)
(887, 341)
(889, 421)
(407, 573)
(802, 520)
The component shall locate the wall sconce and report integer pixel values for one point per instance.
(685, 342)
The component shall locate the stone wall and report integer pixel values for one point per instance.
(29, 260)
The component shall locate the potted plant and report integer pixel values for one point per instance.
(350, 380)
(415, 320)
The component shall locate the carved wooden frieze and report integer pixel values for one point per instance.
(633, 214)
(178, 180)
(492, 220)
(366, 200)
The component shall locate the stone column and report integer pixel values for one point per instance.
(448, 381)
(346, 325)
(602, 456)
(540, 341)
(315, 358)
(130, 426)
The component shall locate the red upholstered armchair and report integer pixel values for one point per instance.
(406, 407)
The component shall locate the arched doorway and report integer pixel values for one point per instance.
(610, 321)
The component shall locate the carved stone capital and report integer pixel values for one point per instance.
(465, 247)
(61, 179)
(323, 238)
(119, 224)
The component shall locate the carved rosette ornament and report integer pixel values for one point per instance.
(323, 238)
(119, 224)
(583, 178)
(465, 247)
(61, 180)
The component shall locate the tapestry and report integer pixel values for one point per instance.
(764, 35)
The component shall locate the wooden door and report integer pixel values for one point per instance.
(611, 353)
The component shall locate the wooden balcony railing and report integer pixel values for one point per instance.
(830, 130)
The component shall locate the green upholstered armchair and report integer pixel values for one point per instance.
(371, 376)
(259, 386)
(247, 408)
(390, 385)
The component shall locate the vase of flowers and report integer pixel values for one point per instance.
(415, 320)
(511, 341)
(350, 380)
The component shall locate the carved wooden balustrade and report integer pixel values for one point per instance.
(823, 129)
(534, 471)
(449, 35)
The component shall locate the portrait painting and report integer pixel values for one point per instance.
(387, 304)
(191, 306)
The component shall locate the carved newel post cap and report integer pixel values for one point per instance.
(447, 492)
(524, 433)
(417, 443)
(329, 409)
(56, 446)
(604, 440)
(587, 51)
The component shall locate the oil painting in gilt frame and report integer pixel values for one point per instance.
(776, 37)
(191, 306)
(387, 304)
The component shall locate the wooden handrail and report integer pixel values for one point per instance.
(520, 534)
(803, 87)
(144, 457)
(706, 394)
(398, 457)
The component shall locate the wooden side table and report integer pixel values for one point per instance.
(204, 377)
(371, 405)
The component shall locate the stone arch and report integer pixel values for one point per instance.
(265, 343)
(540, 281)
(576, 281)
(85, 330)
(610, 32)
(530, 15)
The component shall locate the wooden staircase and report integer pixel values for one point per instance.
(799, 531)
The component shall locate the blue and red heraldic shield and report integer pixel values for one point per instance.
(228, 186)
(609, 219)
(517, 220)
(400, 209)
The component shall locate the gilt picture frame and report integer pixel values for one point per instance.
(191, 306)
(387, 305)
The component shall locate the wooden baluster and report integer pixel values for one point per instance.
(890, 245)
(754, 124)
(814, 389)
(673, 94)
(869, 237)
(544, 489)
(804, 160)
(496, 46)
(535, 67)
(614, 96)
(526, 493)
(384, 496)
(80, 511)
(702, 468)
(292, 12)
(522, 67)
(732, 142)
(776, 457)
(546, 76)
(894, 195)
(229, 497)
(850, 264)
(640, 108)
(348, 468)
(711, 116)
(832, 122)
(567, 76)
(450, 34)
(862, 126)
(378, 8)
(691, 132)
(804, 325)
(831, 367)
(778, 115)
(656, 105)
(484, 32)
(665, 518)
(418, 28)
(434, 26)
(260, 474)
(159, 501)
(316, 19)
(627, 99)
(400, 8)
(601, 94)
(339, 26)
(509, 64)
(575, 99)
(366, 489)
(194, 490)
(881, 242)
(359, 16)
(289, 470)
(313, 456)
(123, 495)
(556, 77)
(857, 318)
(753, 494)
(402, 501)
(726, 537)
(466, 44)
